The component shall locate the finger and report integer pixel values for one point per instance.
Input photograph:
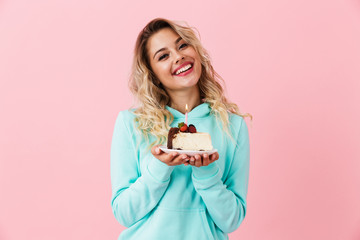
(155, 150)
(192, 161)
(183, 158)
(205, 159)
(169, 157)
(196, 157)
(177, 160)
(214, 157)
(198, 161)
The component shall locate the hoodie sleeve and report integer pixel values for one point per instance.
(134, 194)
(226, 201)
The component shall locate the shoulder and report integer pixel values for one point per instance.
(236, 120)
(127, 115)
(238, 125)
(126, 118)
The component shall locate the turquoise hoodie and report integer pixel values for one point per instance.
(156, 201)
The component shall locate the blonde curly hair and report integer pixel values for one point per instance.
(152, 118)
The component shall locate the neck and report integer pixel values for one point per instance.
(179, 99)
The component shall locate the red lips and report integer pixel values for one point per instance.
(181, 66)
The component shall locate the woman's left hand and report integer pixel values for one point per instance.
(202, 160)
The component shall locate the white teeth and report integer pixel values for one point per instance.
(183, 69)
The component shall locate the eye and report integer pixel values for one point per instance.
(162, 56)
(183, 45)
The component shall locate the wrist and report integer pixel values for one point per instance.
(205, 171)
(159, 170)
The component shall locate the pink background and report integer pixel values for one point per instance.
(294, 65)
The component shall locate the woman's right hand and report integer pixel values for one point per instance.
(170, 159)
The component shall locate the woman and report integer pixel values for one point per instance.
(173, 196)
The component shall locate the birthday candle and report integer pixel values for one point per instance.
(186, 114)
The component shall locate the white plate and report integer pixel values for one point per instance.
(187, 152)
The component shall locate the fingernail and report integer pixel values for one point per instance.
(205, 155)
(184, 157)
(157, 150)
(197, 157)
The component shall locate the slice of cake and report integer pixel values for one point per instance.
(186, 138)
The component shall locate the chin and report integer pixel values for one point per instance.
(191, 84)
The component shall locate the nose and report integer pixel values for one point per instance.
(179, 57)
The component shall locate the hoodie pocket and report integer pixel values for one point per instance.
(177, 224)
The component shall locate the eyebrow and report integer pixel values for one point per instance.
(162, 49)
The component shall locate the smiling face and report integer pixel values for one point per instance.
(175, 63)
